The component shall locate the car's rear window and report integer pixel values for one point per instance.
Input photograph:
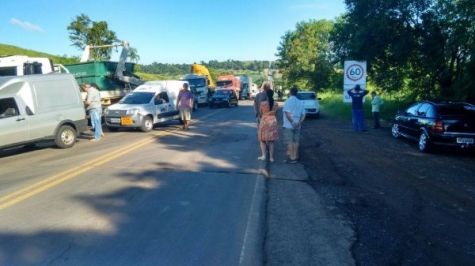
(456, 109)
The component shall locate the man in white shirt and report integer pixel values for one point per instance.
(294, 115)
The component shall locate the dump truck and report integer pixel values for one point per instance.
(115, 79)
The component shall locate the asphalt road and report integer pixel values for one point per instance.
(168, 197)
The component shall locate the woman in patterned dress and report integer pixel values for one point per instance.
(268, 129)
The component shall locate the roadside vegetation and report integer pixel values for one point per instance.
(414, 49)
(332, 105)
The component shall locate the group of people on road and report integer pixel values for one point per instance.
(357, 96)
(293, 115)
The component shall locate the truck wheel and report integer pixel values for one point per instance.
(147, 124)
(65, 137)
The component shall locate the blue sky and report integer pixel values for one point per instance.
(166, 31)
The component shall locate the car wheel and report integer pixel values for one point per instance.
(395, 131)
(113, 129)
(424, 143)
(65, 137)
(317, 115)
(210, 106)
(147, 124)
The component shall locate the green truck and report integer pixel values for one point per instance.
(115, 79)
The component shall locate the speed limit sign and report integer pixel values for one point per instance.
(355, 74)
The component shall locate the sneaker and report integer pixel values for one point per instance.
(262, 158)
(287, 160)
(293, 161)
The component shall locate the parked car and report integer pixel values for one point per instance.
(223, 98)
(310, 103)
(437, 123)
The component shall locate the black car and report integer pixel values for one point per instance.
(223, 98)
(437, 123)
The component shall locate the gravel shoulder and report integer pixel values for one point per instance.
(406, 207)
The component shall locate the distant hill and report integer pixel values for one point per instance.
(6, 49)
(156, 70)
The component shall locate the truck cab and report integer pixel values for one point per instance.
(20, 65)
(199, 87)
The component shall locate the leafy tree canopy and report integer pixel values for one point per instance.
(305, 55)
(83, 31)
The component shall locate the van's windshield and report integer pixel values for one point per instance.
(137, 98)
(305, 96)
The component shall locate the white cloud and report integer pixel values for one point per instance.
(26, 25)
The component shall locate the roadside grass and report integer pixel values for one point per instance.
(332, 105)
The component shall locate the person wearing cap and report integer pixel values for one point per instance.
(357, 112)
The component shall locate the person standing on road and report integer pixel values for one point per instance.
(357, 97)
(94, 108)
(294, 115)
(375, 106)
(260, 97)
(184, 104)
(268, 129)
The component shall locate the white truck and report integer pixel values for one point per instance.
(115, 79)
(20, 65)
(199, 87)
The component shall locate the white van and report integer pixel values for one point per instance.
(141, 107)
(40, 107)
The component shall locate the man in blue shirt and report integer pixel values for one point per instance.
(357, 97)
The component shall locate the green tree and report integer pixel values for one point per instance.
(422, 47)
(305, 55)
(83, 31)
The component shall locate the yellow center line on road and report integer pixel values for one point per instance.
(74, 172)
(32, 190)
(36, 188)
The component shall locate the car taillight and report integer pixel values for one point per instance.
(438, 126)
